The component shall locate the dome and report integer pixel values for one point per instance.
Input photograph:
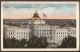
(35, 13)
(36, 16)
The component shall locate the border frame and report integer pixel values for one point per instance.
(39, 50)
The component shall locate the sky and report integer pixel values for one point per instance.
(26, 11)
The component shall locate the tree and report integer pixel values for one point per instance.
(44, 42)
(68, 42)
(14, 43)
(7, 43)
(23, 42)
(36, 42)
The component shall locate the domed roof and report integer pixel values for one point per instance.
(35, 13)
(36, 16)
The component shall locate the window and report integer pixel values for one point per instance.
(57, 32)
(9, 33)
(13, 33)
(9, 37)
(65, 32)
(61, 32)
(71, 32)
(17, 36)
(24, 33)
(12, 36)
(17, 32)
(29, 32)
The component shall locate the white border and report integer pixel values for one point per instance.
(41, 49)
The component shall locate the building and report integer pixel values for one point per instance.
(16, 32)
(37, 27)
(36, 19)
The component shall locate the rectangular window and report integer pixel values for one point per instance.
(71, 32)
(17, 32)
(17, 36)
(13, 33)
(29, 32)
(9, 33)
(65, 32)
(61, 32)
(9, 37)
(24, 33)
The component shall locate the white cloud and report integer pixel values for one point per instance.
(48, 10)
